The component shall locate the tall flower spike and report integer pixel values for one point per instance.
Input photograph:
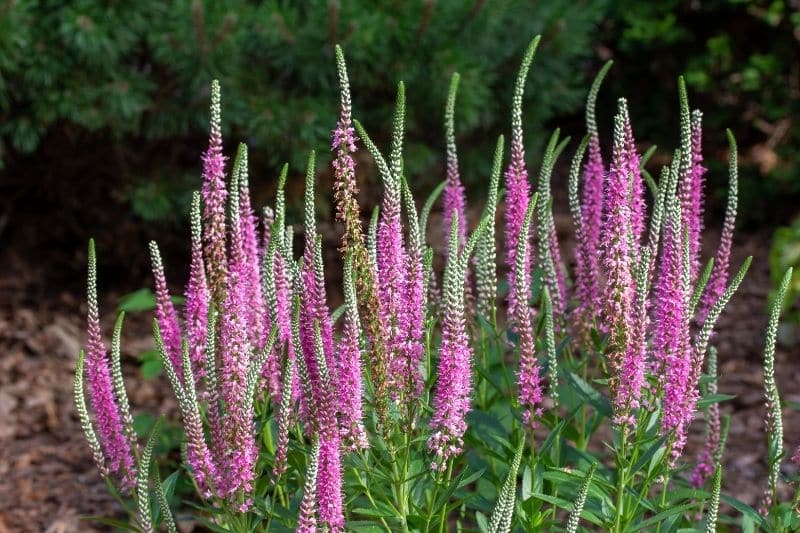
(580, 501)
(278, 284)
(692, 192)
(119, 384)
(307, 521)
(671, 340)
(634, 176)
(529, 379)
(713, 508)
(550, 346)
(587, 250)
(618, 291)
(698, 353)
(504, 508)
(706, 462)
(284, 419)
(774, 420)
(719, 275)
(165, 311)
(83, 414)
(549, 254)
(310, 290)
(271, 278)
(144, 510)
(196, 310)
(454, 199)
(413, 309)
(258, 319)
(454, 377)
(198, 455)
(363, 257)
(345, 188)
(632, 370)
(214, 197)
(517, 186)
(585, 293)
(329, 481)
(486, 255)
(390, 256)
(350, 385)
(108, 418)
(238, 426)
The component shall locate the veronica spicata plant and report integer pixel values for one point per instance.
(422, 401)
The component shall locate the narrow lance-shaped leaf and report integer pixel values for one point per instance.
(427, 207)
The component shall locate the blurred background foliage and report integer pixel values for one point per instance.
(103, 104)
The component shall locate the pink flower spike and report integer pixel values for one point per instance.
(307, 521)
(165, 312)
(719, 274)
(237, 425)
(517, 186)
(214, 197)
(634, 174)
(618, 292)
(691, 193)
(350, 385)
(259, 329)
(531, 392)
(110, 429)
(197, 297)
(454, 376)
(587, 252)
(454, 197)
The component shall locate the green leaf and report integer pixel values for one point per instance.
(746, 510)
(646, 456)
(119, 524)
(662, 516)
(592, 395)
(141, 300)
(143, 423)
(714, 398)
(151, 369)
(567, 506)
(483, 524)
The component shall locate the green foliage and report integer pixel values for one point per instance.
(785, 254)
(740, 60)
(138, 73)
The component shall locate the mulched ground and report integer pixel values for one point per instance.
(47, 477)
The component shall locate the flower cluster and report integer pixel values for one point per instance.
(274, 387)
